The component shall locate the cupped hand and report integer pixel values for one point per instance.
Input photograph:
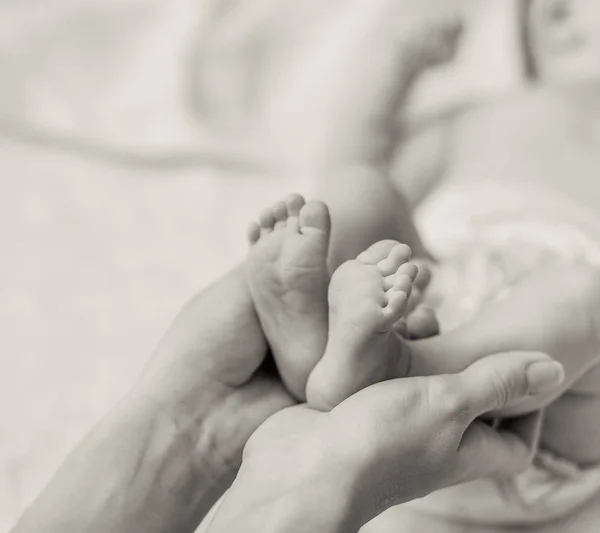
(210, 373)
(389, 444)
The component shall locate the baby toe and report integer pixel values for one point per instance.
(266, 222)
(294, 203)
(403, 283)
(315, 215)
(415, 299)
(253, 232)
(409, 269)
(394, 310)
(280, 212)
(399, 255)
(378, 252)
(424, 276)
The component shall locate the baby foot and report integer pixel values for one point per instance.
(367, 302)
(288, 278)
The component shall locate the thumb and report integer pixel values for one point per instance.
(497, 381)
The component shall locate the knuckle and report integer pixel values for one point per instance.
(417, 398)
(446, 391)
(509, 387)
(501, 386)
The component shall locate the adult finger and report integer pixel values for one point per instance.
(528, 428)
(486, 451)
(499, 380)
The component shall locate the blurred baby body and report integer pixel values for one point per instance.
(521, 192)
(522, 184)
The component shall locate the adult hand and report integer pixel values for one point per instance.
(390, 443)
(169, 450)
(210, 373)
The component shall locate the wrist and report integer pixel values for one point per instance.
(294, 479)
(195, 463)
(204, 417)
(260, 502)
(142, 471)
(217, 419)
(198, 446)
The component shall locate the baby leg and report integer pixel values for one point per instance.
(367, 208)
(367, 300)
(288, 279)
(366, 205)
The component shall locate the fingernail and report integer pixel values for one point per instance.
(543, 376)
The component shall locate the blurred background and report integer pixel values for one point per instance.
(117, 202)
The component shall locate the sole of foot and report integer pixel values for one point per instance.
(288, 279)
(368, 299)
